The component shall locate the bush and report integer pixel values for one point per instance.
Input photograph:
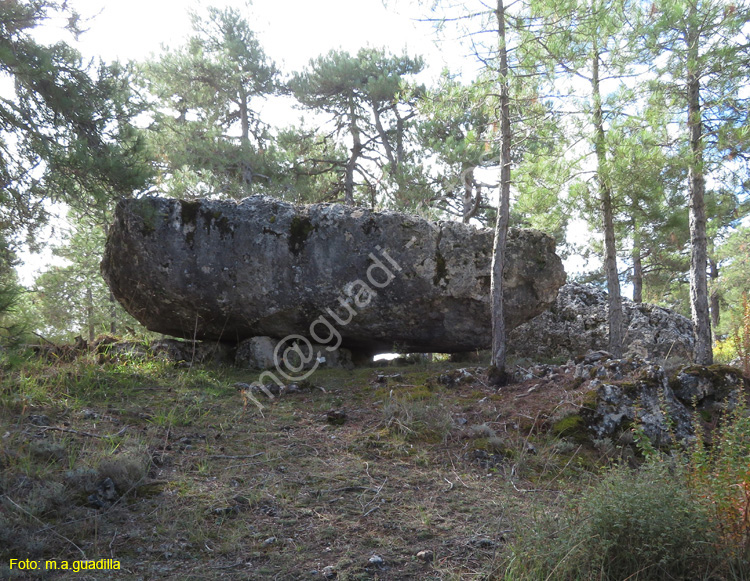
(734, 349)
(634, 524)
(685, 516)
(720, 474)
(742, 336)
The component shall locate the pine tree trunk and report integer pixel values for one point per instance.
(497, 374)
(715, 294)
(637, 268)
(469, 208)
(697, 206)
(352, 163)
(605, 192)
(90, 314)
(244, 116)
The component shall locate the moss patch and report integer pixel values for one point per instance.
(590, 400)
(149, 216)
(441, 271)
(189, 213)
(217, 220)
(493, 445)
(631, 388)
(572, 427)
(723, 378)
(298, 233)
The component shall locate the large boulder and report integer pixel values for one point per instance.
(371, 281)
(577, 323)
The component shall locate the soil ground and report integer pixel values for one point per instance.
(413, 472)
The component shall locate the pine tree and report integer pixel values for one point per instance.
(72, 298)
(652, 219)
(207, 134)
(588, 42)
(704, 45)
(366, 100)
(510, 87)
(66, 132)
(497, 373)
(456, 126)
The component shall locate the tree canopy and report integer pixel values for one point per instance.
(628, 117)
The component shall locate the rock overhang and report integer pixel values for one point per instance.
(371, 281)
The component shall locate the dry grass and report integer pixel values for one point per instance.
(206, 490)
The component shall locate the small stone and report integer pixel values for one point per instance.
(483, 543)
(40, 420)
(596, 356)
(336, 417)
(329, 572)
(376, 560)
(269, 541)
(224, 510)
(105, 494)
(427, 556)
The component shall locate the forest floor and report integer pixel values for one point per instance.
(413, 472)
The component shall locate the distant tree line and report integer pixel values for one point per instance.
(627, 118)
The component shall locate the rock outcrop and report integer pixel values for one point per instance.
(600, 399)
(632, 392)
(338, 275)
(577, 323)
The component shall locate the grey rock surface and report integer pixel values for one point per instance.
(371, 281)
(577, 324)
(169, 349)
(646, 400)
(636, 392)
(261, 353)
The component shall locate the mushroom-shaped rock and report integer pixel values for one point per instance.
(338, 275)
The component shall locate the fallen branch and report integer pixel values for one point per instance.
(227, 457)
(87, 434)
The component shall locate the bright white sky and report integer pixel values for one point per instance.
(291, 31)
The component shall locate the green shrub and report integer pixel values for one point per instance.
(634, 524)
(742, 336)
(734, 349)
(685, 516)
